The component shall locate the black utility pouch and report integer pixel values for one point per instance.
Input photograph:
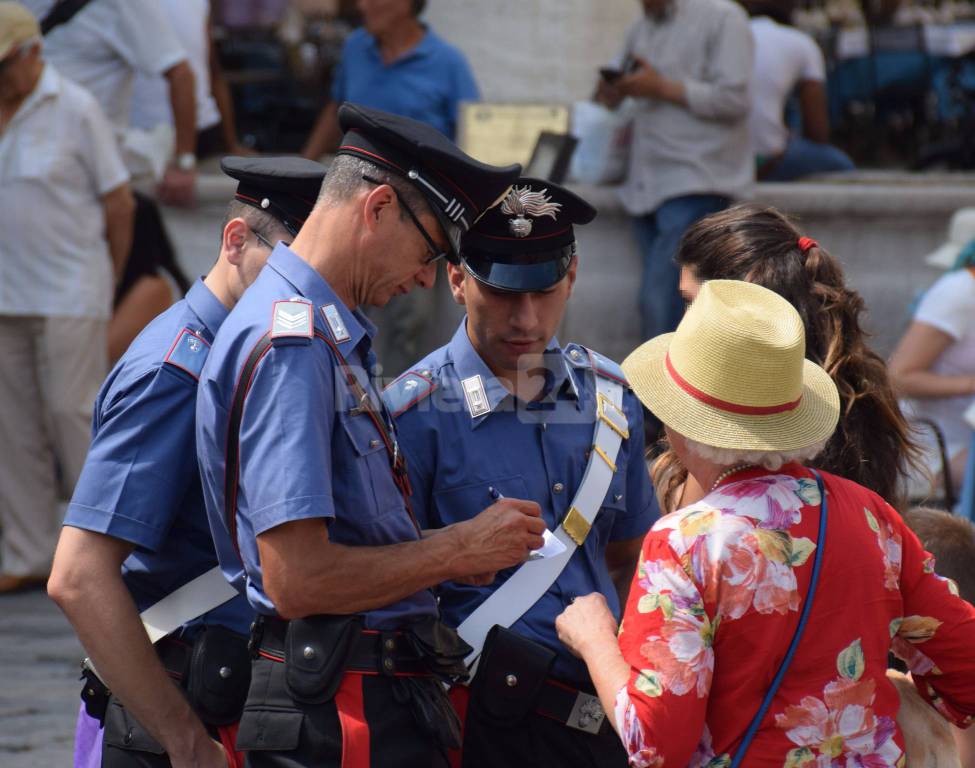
(317, 651)
(510, 675)
(219, 675)
(441, 648)
(94, 696)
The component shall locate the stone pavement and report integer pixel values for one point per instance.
(39, 685)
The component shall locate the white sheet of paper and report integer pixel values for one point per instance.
(550, 548)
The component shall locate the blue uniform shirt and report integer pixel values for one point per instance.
(535, 451)
(307, 450)
(140, 482)
(426, 84)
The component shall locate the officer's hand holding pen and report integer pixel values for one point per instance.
(501, 536)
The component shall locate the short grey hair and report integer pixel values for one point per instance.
(344, 179)
(257, 219)
(771, 460)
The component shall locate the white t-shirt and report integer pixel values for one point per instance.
(784, 57)
(105, 43)
(58, 157)
(150, 94)
(949, 306)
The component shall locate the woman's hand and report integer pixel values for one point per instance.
(586, 624)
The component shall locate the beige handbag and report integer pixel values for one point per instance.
(928, 742)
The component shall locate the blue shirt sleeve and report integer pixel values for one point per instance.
(141, 461)
(464, 88)
(286, 438)
(340, 85)
(641, 501)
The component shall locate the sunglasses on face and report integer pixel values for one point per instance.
(436, 250)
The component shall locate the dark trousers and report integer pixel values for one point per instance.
(128, 745)
(369, 722)
(539, 742)
(658, 235)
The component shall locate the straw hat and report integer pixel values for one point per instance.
(17, 25)
(961, 231)
(734, 374)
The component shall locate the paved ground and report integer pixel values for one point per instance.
(39, 686)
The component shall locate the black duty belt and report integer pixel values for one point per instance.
(572, 707)
(373, 652)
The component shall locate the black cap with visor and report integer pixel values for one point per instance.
(526, 243)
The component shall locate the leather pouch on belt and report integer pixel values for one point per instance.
(510, 675)
(442, 648)
(317, 651)
(219, 675)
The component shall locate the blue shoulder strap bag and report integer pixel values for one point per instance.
(803, 619)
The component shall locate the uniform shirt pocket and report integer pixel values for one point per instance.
(453, 505)
(372, 473)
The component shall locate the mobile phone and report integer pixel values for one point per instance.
(611, 75)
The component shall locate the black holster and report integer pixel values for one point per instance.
(509, 677)
(218, 675)
(94, 695)
(317, 651)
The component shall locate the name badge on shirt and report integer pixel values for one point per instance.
(477, 402)
(335, 323)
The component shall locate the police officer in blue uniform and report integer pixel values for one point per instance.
(304, 481)
(136, 528)
(505, 410)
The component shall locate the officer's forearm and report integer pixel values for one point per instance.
(304, 573)
(86, 583)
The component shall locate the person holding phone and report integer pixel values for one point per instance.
(688, 65)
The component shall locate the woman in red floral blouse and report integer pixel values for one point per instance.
(721, 583)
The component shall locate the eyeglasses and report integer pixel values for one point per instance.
(436, 250)
(264, 241)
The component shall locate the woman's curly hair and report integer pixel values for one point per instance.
(873, 443)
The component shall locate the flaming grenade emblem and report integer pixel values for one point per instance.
(521, 202)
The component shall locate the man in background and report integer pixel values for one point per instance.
(215, 122)
(788, 62)
(66, 217)
(688, 65)
(101, 47)
(396, 63)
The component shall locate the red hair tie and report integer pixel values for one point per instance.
(805, 243)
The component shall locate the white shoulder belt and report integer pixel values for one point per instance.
(533, 579)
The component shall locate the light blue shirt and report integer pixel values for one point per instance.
(140, 482)
(536, 451)
(427, 83)
(307, 451)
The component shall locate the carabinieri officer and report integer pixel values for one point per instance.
(304, 482)
(505, 410)
(136, 528)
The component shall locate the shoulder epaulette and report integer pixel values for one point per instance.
(188, 352)
(408, 390)
(603, 366)
(292, 321)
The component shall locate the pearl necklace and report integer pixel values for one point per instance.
(728, 473)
